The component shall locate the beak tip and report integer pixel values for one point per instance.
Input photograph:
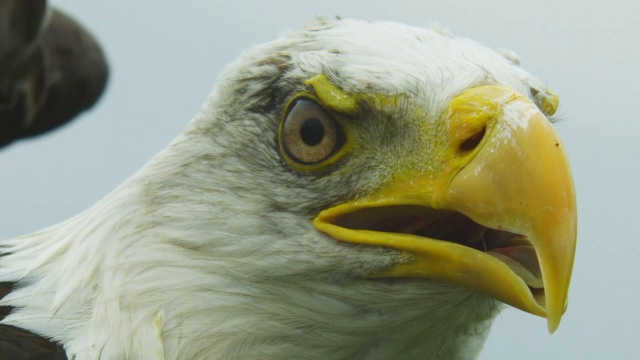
(554, 316)
(552, 324)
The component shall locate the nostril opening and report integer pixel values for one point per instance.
(473, 141)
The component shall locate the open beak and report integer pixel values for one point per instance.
(499, 217)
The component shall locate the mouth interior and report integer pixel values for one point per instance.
(514, 250)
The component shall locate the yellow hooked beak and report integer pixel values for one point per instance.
(499, 217)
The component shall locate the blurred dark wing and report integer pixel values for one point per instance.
(50, 70)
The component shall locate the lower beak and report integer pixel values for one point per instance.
(504, 169)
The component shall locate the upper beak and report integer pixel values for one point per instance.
(505, 169)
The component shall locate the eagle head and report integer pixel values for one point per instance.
(352, 190)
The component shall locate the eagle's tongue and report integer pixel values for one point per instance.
(523, 261)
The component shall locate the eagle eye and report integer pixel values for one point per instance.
(309, 134)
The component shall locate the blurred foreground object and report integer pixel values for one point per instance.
(51, 69)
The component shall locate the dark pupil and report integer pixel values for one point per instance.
(312, 131)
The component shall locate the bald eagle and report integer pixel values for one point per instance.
(354, 190)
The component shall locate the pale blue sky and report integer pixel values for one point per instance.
(166, 55)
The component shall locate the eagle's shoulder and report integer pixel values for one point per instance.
(20, 344)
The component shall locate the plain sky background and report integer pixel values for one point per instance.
(165, 56)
